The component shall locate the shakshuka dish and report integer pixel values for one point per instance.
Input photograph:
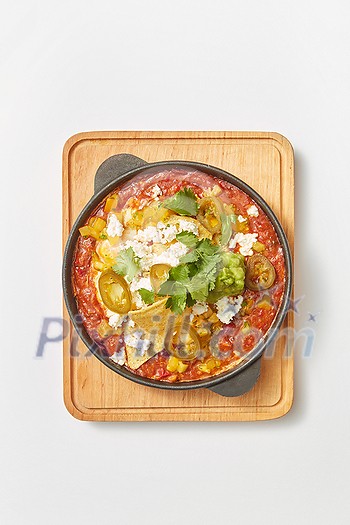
(178, 275)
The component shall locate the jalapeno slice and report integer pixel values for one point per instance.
(184, 343)
(260, 273)
(209, 214)
(115, 292)
(158, 275)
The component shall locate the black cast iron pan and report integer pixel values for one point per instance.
(111, 173)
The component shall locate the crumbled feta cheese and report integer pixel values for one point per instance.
(199, 308)
(114, 226)
(149, 234)
(136, 284)
(135, 341)
(240, 218)
(141, 282)
(188, 226)
(131, 323)
(116, 320)
(245, 241)
(147, 243)
(119, 357)
(168, 232)
(155, 192)
(141, 249)
(228, 307)
(253, 211)
(171, 255)
(138, 300)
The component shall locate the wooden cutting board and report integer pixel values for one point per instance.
(92, 392)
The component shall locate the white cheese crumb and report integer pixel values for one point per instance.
(253, 211)
(145, 241)
(116, 320)
(171, 255)
(119, 357)
(140, 249)
(240, 218)
(138, 300)
(149, 234)
(168, 232)
(228, 307)
(135, 341)
(245, 241)
(136, 284)
(114, 226)
(188, 226)
(155, 192)
(199, 308)
(142, 282)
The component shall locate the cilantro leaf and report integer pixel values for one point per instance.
(184, 202)
(179, 273)
(126, 263)
(147, 296)
(189, 257)
(171, 287)
(205, 247)
(189, 239)
(189, 301)
(195, 277)
(177, 303)
(204, 280)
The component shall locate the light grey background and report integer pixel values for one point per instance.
(239, 65)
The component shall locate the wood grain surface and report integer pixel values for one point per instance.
(92, 392)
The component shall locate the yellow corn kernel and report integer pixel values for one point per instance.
(111, 203)
(87, 231)
(98, 265)
(173, 363)
(136, 220)
(181, 367)
(97, 224)
(213, 318)
(242, 227)
(266, 305)
(211, 364)
(202, 332)
(258, 247)
(245, 327)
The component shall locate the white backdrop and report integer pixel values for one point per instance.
(77, 66)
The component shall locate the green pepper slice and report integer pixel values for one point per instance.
(260, 273)
(115, 292)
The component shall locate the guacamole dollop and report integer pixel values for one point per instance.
(231, 277)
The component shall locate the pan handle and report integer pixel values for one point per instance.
(115, 166)
(240, 384)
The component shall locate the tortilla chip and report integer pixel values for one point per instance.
(153, 322)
